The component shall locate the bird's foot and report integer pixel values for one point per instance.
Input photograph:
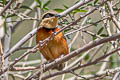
(62, 55)
(43, 65)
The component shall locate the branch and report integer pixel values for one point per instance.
(1, 55)
(6, 7)
(20, 43)
(33, 32)
(79, 66)
(24, 68)
(80, 3)
(107, 72)
(27, 12)
(29, 35)
(76, 52)
(112, 15)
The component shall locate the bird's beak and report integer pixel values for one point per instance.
(57, 15)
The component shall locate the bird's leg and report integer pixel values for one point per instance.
(47, 62)
(61, 65)
(62, 55)
(43, 65)
(58, 58)
(49, 71)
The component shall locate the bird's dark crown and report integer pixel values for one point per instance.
(48, 15)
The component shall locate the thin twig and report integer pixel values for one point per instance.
(80, 66)
(78, 51)
(6, 7)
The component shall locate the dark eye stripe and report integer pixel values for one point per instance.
(48, 15)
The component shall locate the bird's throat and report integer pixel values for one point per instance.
(49, 29)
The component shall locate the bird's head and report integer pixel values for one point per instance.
(50, 20)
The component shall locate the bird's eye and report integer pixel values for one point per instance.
(48, 15)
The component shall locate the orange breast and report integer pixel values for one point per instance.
(56, 47)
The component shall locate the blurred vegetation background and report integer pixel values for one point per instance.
(96, 31)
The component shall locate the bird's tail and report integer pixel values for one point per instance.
(59, 66)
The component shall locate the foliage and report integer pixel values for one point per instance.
(86, 28)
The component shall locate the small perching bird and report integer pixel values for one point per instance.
(56, 47)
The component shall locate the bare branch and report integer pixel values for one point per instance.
(77, 52)
(80, 3)
(77, 67)
(6, 7)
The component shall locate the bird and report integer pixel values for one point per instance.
(57, 47)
